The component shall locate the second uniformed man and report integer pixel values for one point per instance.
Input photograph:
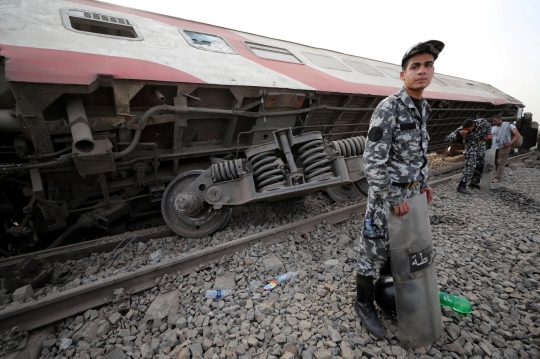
(474, 134)
(395, 163)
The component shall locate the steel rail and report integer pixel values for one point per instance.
(74, 301)
(77, 300)
(81, 250)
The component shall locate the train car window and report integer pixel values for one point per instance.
(272, 53)
(452, 83)
(390, 72)
(363, 68)
(91, 23)
(327, 62)
(208, 42)
(438, 82)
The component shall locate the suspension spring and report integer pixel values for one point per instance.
(314, 161)
(226, 170)
(266, 171)
(353, 146)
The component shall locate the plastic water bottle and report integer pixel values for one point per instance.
(280, 279)
(217, 293)
(457, 303)
(285, 276)
(368, 228)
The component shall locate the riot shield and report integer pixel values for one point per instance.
(415, 276)
(487, 172)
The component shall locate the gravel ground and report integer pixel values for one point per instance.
(487, 250)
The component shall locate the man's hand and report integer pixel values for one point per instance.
(507, 144)
(463, 132)
(429, 192)
(402, 209)
(489, 137)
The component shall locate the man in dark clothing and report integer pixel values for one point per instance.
(474, 134)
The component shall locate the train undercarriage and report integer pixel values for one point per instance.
(77, 157)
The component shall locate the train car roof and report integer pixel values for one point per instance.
(57, 42)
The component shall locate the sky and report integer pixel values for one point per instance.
(496, 42)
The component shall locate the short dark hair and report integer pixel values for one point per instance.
(496, 117)
(468, 123)
(405, 61)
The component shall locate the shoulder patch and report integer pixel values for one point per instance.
(375, 134)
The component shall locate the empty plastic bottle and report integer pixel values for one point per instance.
(217, 293)
(369, 231)
(457, 303)
(285, 276)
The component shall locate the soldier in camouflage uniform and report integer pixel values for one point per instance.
(474, 134)
(395, 163)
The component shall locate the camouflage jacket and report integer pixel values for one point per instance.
(477, 137)
(396, 148)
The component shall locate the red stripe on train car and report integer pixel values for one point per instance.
(29, 64)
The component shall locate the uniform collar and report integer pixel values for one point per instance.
(407, 101)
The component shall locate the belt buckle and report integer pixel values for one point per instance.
(412, 184)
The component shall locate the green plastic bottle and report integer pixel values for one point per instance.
(457, 303)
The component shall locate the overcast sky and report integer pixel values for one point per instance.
(495, 42)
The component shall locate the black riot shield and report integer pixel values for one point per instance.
(415, 276)
(487, 172)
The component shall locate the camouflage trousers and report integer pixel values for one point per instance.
(374, 251)
(474, 165)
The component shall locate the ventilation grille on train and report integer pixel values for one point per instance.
(104, 18)
(99, 24)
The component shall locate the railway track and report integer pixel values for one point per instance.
(107, 244)
(60, 305)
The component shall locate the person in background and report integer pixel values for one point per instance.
(504, 135)
(474, 134)
(395, 163)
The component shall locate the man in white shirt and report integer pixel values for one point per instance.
(504, 135)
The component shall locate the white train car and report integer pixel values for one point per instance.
(102, 107)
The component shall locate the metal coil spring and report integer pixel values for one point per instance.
(226, 170)
(314, 161)
(353, 146)
(266, 171)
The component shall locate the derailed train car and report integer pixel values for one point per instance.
(108, 112)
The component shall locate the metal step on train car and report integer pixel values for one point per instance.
(109, 112)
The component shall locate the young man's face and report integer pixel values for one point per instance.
(496, 121)
(419, 72)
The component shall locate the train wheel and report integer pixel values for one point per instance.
(343, 193)
(185, 215)
(362, 186)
